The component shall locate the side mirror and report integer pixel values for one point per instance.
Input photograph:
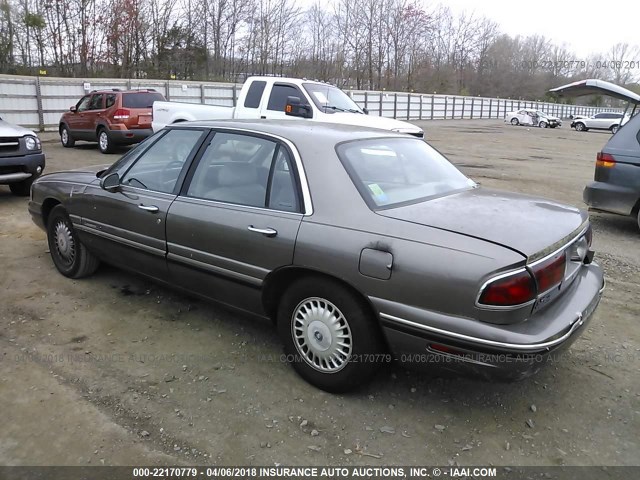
(110, 183)
(73, 109)
(296, 108)
(366, 111)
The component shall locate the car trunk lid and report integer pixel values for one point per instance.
(528, 225)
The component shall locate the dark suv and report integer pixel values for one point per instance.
(109, 117)
(616, 185)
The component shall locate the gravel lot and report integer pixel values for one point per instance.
(115, 370)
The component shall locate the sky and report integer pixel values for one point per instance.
(586, 27)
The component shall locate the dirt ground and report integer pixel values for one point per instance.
(114, 370)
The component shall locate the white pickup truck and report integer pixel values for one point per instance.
(269, 97)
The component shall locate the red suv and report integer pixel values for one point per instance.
(109, 117)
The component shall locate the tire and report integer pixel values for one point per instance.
(543, 124)
(580, 127)
(638, 218)
(22, 189)
(70, 256)
(362, 350)
(104, 142)
(66, 139)
(514, 121)
(614, 128)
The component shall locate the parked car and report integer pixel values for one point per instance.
(109, 117)
(532, 117)
(21, 158)
(616, 185)
(363, 245)
(266, 98)
(599, 121)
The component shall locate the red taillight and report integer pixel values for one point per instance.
(121, 114)
(508, 291)
(550, 273)
(605, 160)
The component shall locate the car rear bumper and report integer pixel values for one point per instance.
(610, 198)
(129, 137)
(22, 167)
(429, 340)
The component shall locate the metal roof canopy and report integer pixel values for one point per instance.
(594, 86)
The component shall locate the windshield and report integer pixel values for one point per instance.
(331, 99)
(393, 171)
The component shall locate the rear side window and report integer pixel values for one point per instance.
(279, 94)
(254, 95)
(96, 102)
(111, 100)
(141, 100)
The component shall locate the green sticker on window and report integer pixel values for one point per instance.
(375, 189)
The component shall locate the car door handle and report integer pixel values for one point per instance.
(149, 208)
(267, 232)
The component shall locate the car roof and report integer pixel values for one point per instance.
(297, 130)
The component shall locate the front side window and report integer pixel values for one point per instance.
(245, 170)
(279, 94)
(394, 171)
(160, 165)
(83, 104)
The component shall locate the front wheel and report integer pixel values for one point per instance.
(580, 127)
(514, 121)
(70, 256)
(66, 139)
(22, 189)
(543, 124)
(330, 336)
(104, 142)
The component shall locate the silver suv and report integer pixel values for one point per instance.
(599, 121)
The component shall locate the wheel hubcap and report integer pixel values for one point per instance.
(321, 335)
(65, 246)
(65, 136)
(104, 141)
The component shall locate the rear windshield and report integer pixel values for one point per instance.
(394, 171)
(141, 100)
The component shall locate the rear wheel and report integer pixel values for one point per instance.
(65, 137)
(329, 334)
(70, 256)
(580, 127)
(104, 142)
(22, 189)
(514, 121)
(614, 128)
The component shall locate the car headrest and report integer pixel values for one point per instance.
(235, 174)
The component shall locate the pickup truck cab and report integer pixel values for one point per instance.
(266, 98)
